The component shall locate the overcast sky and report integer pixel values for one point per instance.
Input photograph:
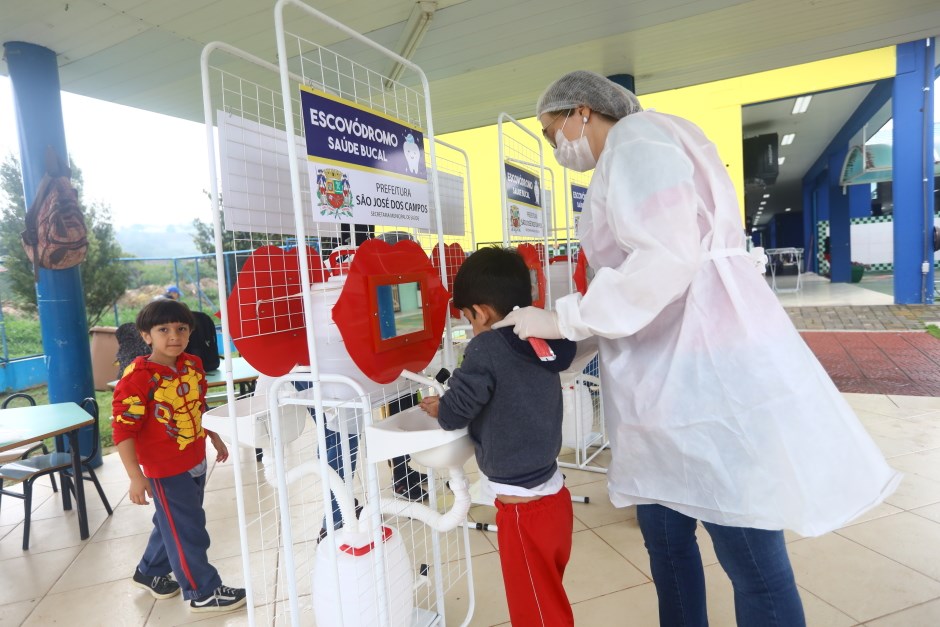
(150, 168)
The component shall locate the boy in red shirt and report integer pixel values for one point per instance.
(157, 424)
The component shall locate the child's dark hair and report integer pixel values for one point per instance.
(493, 276)
(164, 311)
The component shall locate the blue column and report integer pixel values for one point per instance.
(912, 165)
(34, 75)
(839, 230)
(386, 311)
(810, 243)
(859, 200)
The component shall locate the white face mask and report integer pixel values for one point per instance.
(575, 155)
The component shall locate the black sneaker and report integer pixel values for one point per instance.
(222, 599)
(414, 476)
(410, 491)
(161, 587)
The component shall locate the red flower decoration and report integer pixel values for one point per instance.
(265, 309)
(533, 260)
(454, 257)
(381, 343)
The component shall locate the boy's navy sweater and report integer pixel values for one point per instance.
(511, 402)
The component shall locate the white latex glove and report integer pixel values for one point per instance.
(532, 322)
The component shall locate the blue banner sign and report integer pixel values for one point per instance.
(577, 197)
(364, 166)
(523, 193)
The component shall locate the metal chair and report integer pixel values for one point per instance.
(28, 470)
(24, 451)
(90, 405)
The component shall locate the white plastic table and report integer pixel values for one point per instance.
(788, 257)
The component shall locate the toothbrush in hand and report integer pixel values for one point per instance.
(542, 350)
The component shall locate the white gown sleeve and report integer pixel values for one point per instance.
(650, 209)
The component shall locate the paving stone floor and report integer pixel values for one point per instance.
(864, 318)
(879, 362)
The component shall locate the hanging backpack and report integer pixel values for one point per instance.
(55, 237)
(130, 346)
(203, 342)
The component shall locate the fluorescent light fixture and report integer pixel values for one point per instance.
(766, 195)
(418, 23)
(788, 208)
(801, 105)
(788, 139)
(780, 160)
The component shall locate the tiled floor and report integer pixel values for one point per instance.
(883, 570)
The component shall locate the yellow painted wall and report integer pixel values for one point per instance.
(715, 107)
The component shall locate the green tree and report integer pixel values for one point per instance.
(204, 239)
(19, 271)
(103, 280)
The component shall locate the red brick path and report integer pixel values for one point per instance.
(879, 363)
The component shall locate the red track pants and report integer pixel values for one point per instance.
(534, 547)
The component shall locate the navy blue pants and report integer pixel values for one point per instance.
(179, 540)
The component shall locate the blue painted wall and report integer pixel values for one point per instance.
(17, 375)
(789, 229)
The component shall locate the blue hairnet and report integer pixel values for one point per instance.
(588, 89)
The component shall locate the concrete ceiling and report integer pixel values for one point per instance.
(483, 56)
(814, 130)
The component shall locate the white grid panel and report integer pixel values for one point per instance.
(457, 218)
(248, 106)
(584, 435)
(522, 149)
(439, 561)
(431, 571)
(243, 101)
(563, 238)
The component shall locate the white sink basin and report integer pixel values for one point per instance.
(413, 432)
(254, 421)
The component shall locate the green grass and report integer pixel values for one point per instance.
(41, 395)
(23, 336)
(933, 330)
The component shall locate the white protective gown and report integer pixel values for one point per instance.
(714, 405)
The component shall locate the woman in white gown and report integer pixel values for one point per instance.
(715, 407)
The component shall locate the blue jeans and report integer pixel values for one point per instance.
(334, 457)
(756, 561)
(179, 540)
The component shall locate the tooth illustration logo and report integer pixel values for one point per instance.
(412, 153)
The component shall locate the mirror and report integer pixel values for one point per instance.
(400, 311)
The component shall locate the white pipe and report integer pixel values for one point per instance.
(345, 502)
(453, 518)
(423, 380)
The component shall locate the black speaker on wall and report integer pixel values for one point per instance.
(760, 158)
